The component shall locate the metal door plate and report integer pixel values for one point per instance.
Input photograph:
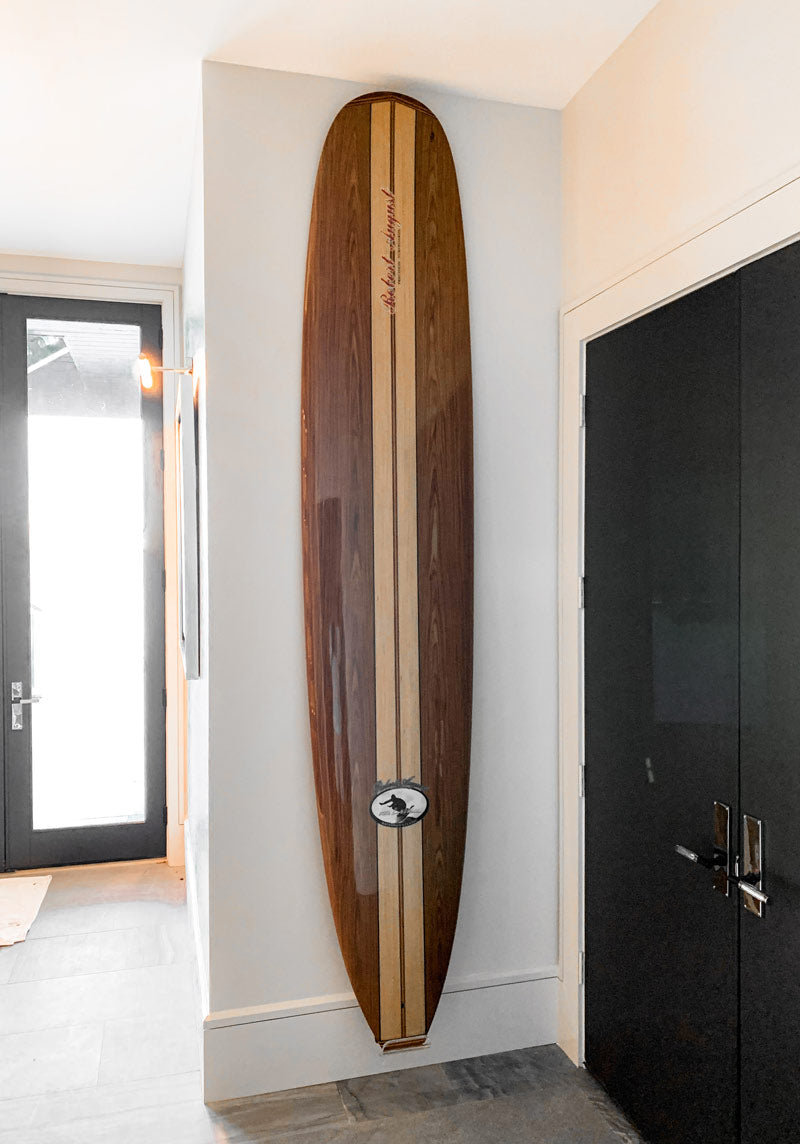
(753, 868)
(722, 848)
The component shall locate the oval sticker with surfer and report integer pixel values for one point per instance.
(399, 804)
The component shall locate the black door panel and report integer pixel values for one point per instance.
(770, 743)
(661, 696)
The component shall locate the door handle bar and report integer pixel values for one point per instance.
(748, 888)
(749, 882)
(700, 859)
(720, 860)
(17, 703)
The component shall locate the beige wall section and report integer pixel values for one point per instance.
(691, 117)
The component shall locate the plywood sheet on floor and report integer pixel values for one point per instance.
(20, 899)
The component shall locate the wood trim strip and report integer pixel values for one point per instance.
(406, 445)
(413, 944)
(394, 443)
(386, 729)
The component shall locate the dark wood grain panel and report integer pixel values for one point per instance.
(338, 538)
(445, 539)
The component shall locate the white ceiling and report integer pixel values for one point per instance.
(99, 97)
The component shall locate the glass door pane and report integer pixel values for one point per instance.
(87, 516)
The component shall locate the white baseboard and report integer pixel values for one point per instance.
(305, 1005)
(194, 923)
(316, 1040)
(176, 844)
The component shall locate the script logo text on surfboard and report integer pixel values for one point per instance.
(391, 275)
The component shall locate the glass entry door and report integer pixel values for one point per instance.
(82, 583)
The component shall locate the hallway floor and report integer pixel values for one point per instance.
(100, 1042)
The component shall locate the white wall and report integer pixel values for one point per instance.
(196, 835)
(693, 116)
(273, 949)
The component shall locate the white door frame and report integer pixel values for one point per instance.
(769, 222)
(168, 297)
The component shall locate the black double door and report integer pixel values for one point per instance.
(692, 701)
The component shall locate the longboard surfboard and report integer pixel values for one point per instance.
(388, 550)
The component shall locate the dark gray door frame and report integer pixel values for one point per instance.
(20, 847)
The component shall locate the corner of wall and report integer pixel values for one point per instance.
(197, 840)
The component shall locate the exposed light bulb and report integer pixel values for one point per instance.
(144, 371)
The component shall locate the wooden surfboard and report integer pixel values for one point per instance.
(387, 550)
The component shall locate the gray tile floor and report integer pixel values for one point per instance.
(99, 1042)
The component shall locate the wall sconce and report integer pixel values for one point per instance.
(144, 371)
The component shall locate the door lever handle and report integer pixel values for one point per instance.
(700, 859)
(742, 884)
(720, 860)
(748, 888)
(17, 703)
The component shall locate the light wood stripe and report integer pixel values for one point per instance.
(384, 572)
(382, 474)
(413, 932)
(389, 933)
(407, 595)
(406, 445)
(394, 464)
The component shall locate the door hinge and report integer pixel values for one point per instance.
(164, 579)
(583, 411)
(164, 696)
(165, 816)
(581, 591)
(582, 968)
(582, 780)
(161, 459)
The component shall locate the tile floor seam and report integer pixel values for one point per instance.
(351, 1119)
(97, 1117)
(95, 973)
(88, 933)
(70, 1025)
(100, 1055)
(91, 973)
